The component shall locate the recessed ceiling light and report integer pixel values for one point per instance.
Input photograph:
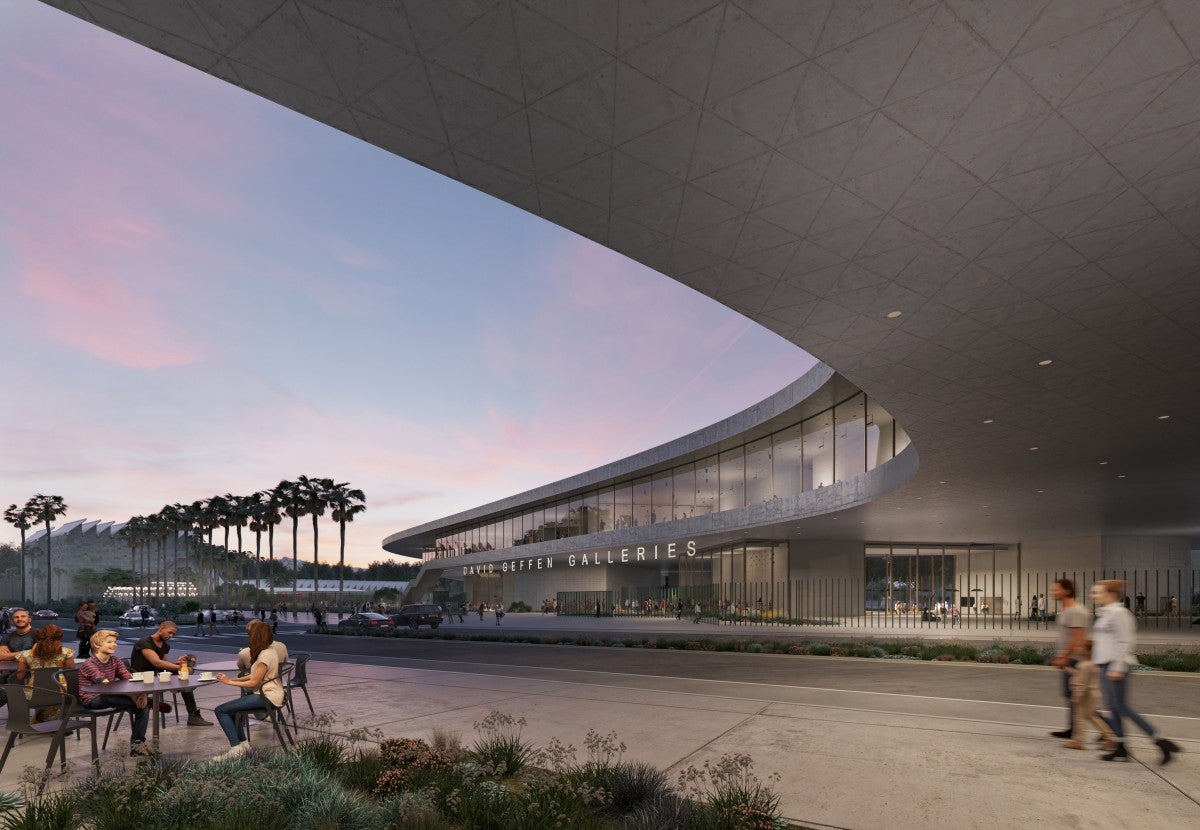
(894, 314)
(1032, 449)
(988, 421)
(1041, 491)
(1102, 463)
(1163, 417)
(941, 482)
(1121, 475)
(1045, 362)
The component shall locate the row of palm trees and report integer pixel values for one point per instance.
(37, 509)
(259, 512)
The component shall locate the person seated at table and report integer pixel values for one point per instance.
(149, 654)
(19, 639)
(244, 660)
(48, 652)
(102, 669)
(263, 683)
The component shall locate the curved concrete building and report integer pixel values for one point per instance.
(984, 216)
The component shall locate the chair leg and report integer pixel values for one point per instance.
(280, 729)
(308, 699)
(108, 729)
(95, 749)
(12, 739)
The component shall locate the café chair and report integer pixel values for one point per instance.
(67, 680)
(299, 681)
(275, 714)
(20, 711)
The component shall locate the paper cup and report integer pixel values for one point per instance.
(206, 675)
(148, 677)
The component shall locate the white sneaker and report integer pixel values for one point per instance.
(234, 751)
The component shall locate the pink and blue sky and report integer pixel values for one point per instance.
(202, 292)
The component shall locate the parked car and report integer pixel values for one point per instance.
(367, 623)
(415, 616)
(46, 614)
(134, 616)
(229, 615)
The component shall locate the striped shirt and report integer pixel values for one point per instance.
(94, 672)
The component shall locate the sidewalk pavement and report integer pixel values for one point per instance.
(847, 759)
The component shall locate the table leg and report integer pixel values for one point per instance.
(155, 699)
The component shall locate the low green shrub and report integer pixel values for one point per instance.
(519, 607)
(415, 811)
(409, 765)
(361, 771)
(324, 752)
(629, 786)
(734, 797)
(820, 649)
(1172, 661)
(331, 809)
(500, 746)
(51, 812)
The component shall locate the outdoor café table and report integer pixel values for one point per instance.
(225, 667)
(155, 691)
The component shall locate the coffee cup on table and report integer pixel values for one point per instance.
(206, 675)
(148, 677)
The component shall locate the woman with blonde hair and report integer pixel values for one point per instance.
(1113, 638)
(263, 680)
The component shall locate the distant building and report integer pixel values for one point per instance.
(83, 543)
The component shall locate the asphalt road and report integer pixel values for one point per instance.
(1152, 692)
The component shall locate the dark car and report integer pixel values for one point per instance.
(367, 623)
(415, 616)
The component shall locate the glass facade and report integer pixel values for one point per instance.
(848, 439)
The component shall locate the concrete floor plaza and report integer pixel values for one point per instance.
(858, 743)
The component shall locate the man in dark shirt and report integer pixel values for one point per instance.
(19, 639)
(149, 654)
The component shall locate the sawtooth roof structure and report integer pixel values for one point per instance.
(1020, 180)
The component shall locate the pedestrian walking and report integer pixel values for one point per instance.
(1113, 653)
(1085, 693)
(1072, 632)
(212, 622)
(696, 613)
(481, 612)
(499, 615)
(200, 623)
(274, 620)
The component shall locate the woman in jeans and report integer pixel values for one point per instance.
(263, 679)
(1112, 652)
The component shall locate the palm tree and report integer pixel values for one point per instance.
(22, 519)
(175, 516)
(257, 508)
(345, 504)
(161, 526)
(211, 515)
(293, 501)
(315, 492)
(47, 509)
(239, 513)
(272, 515)
(193, 516)
(132, 533)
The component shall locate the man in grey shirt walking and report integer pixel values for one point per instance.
(1073, 622)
